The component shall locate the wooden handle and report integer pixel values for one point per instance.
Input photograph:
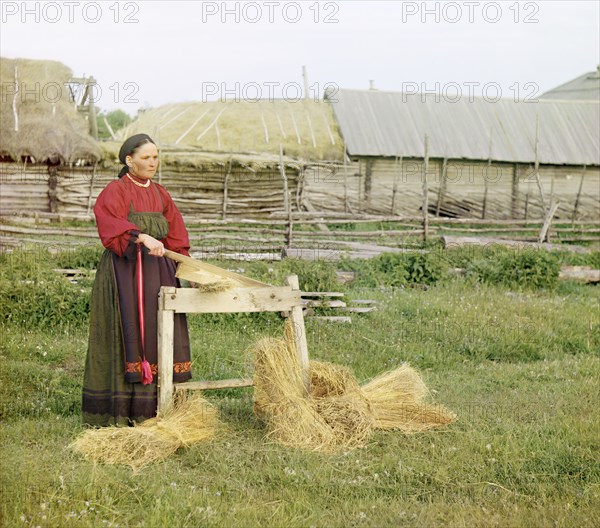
(215, 270)
(176, 256)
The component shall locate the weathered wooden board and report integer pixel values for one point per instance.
(217, 384)
(236, 300)
(166, 336)
(580, 273)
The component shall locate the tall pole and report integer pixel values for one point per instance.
(425, 191)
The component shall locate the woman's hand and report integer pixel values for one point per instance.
(155, 247)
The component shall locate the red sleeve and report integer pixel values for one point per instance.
(111, 211)
(177, 238)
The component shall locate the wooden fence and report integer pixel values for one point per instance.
(306, 235)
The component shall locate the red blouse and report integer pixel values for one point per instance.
(113, 207)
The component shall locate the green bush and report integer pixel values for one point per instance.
(529, 268)
(463, 256)
(362, 269)
(397, 269)
(313, 275)
(35, 295)
(568, 258)
(425, 268)
(86, 257)
(389, 269)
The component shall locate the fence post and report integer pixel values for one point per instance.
(166, 325)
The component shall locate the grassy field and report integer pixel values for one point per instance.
(519, 366)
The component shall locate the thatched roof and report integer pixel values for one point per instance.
(306, 128)
(196, 158)
(47, 126)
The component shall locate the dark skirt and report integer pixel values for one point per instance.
(112, 390)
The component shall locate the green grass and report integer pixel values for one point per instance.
(520, 367)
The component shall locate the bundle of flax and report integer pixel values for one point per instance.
(396, 399)
(191, 420)
(337, 413)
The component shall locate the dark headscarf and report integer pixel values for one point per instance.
(129, 147)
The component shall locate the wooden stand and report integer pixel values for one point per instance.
(238, 300)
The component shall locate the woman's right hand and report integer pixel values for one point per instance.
(155, 247)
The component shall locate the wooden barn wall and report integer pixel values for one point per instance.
(368, 187)
(23, 188)
(512, 190)
(73, 190)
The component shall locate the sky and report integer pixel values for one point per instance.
(149, 53)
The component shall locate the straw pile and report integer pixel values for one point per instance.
(337, 413)
(295, 418)
(396, 399)
(191, 420)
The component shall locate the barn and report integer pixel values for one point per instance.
(220, 159)
(41, 135)
(225, 158)
(582, 88)
(494, 159)
(355, 152)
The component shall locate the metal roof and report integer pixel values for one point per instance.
(378, 123)
(584, 87)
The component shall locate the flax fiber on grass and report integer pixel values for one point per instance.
(191, 420)
(336, 413)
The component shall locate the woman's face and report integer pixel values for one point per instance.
(144, 161)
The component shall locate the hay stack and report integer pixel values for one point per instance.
(191, 420)
(337, 413)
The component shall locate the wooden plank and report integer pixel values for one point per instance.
(166, 323)
(333, 319)
(310, 207)
(360, 309)
(346, 203)
(551, 212)
(579, 273)
(235, 300)
(322, 294)
(536, 165)
(455, 241)
(442, 187)
(286, 200)
(326, 304)
(578, 198)
(486, 176)
(218, 384)
(425, 191)
(299, 331)
(91, 191)
(345, 277)
(44, 231)
(66, 271)
(225, 190)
